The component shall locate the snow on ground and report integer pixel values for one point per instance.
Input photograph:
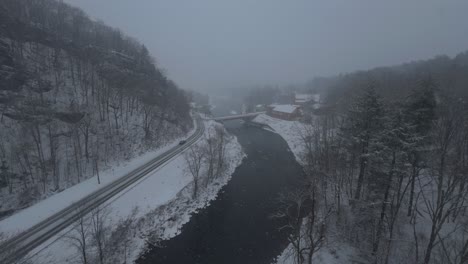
(341, 254)
(288, 130)
(162, 203)
(32, 215)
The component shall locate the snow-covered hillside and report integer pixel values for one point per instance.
(77, 98)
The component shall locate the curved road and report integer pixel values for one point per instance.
(17, 247)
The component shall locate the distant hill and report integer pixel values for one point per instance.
(75, 94)
(447, 75)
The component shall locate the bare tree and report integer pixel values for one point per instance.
(100, 231)
(194, 157)
(215, 153)
(440, 202)
(210, 156)
(299, 211)
(462, 254)
(221, 139)
(290, 211)
(120, 238)
(80, 235)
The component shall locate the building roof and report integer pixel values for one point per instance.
(289, 109)
(303, 96)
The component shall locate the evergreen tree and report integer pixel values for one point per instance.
(364, 123)
(387, 171)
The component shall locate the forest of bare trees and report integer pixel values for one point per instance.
(96, 239)
(206, 161)
(75, 96)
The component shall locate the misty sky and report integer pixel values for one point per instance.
(208, 44)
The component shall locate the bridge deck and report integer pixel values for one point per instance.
(233, 117)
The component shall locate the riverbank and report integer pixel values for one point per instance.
(333, 251)
(156, 206)
(290, 131)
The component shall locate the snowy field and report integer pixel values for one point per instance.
(160, 204)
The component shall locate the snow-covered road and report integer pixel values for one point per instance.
(160, 201)
(41, 222)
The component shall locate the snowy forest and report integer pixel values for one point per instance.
(75, 96)
(386, 163)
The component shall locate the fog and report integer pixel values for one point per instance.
(213, 44)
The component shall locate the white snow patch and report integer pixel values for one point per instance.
(340, 254)
(288, 130)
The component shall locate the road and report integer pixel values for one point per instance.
(17, 247)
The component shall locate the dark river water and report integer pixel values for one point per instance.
(237, 227)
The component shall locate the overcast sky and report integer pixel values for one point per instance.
(222, 44)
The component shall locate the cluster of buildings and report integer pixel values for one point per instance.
(294, 109)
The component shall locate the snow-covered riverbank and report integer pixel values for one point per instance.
(158, 205)
(332, 252)
(288, 130)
